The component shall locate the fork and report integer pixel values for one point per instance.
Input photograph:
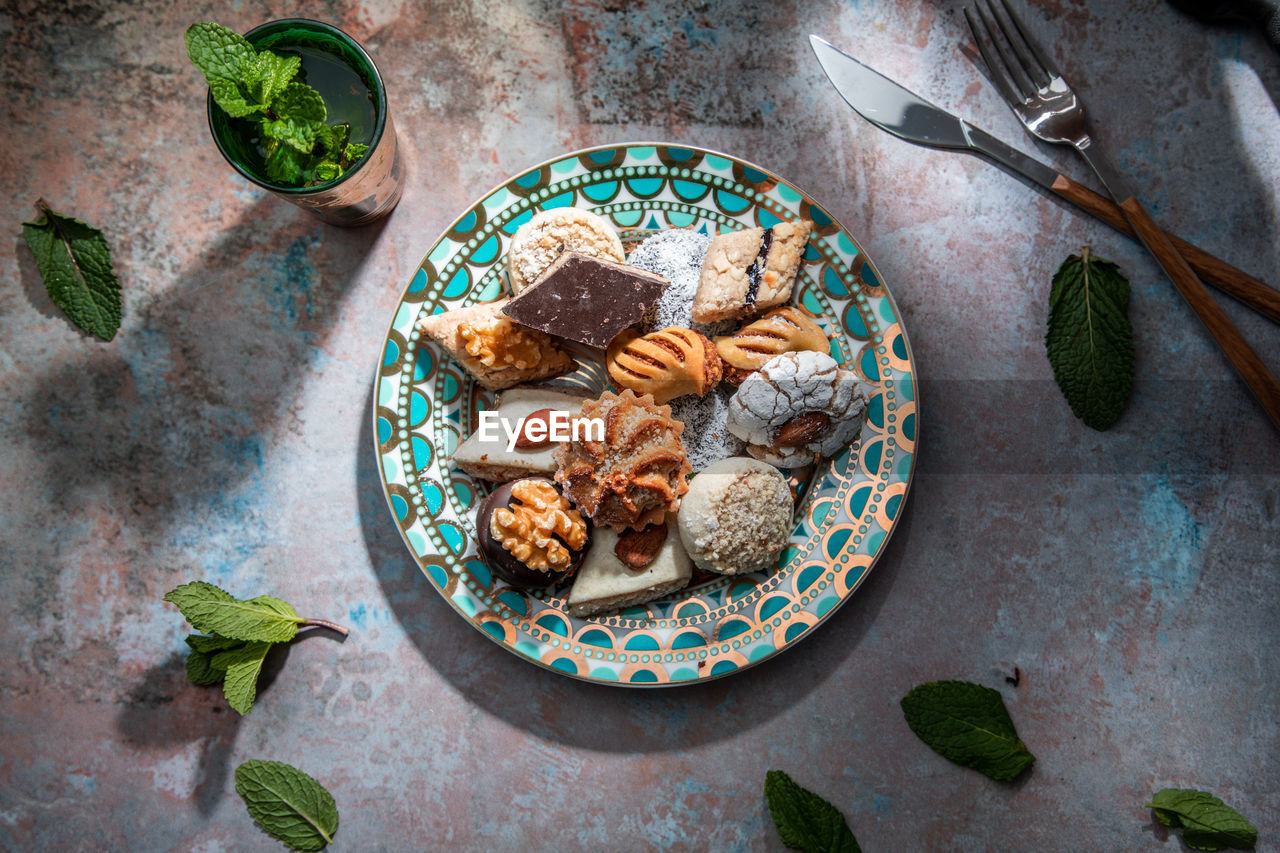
(1035, 89)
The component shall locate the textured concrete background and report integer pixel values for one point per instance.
(1131, 576)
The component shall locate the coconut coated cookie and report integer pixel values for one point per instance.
(548, 234)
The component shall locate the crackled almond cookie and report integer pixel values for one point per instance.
(530, 535)
(736, 517)
(796, 405)
(747, 271)
(494, 349)
(785, 329)
(636, 474)
(543, 238)
(666, 364)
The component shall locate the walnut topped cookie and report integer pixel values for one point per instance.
(493, 348)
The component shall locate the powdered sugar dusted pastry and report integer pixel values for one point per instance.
(797, 405)
(494, 349)
(610, 579)
(748, 271)
(736, 516)
(635, 475)
(540, 241)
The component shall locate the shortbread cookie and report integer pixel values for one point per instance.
(667, 364)
(497, 351)
(543, 238)
(796, 406)
(610, 581)
(746, 272)
(736, 516)
(490, 459)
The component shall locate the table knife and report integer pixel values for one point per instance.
(903, 113)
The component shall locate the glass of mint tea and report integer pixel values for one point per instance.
(336, 66)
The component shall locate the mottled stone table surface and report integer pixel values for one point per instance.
(1132, 576)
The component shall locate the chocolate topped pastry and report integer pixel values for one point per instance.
(529, 535)
(586, 299)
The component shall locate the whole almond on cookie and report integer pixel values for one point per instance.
(524, 441)
(803, 429)
(637, 548)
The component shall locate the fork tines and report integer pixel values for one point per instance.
(1015, 63)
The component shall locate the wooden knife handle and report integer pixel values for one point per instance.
(1255, 373)
(1228, 279)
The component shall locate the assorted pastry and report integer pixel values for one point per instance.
(718, 382)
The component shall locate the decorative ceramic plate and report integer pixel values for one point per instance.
(424, 405)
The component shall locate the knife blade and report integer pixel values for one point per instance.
(903, 113)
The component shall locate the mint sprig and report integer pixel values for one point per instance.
(1206, 822)
(259, 86)
(75, 263)
(968, 724)
(804, 820)
(287, 804)
(1089, 339)
(238, 635)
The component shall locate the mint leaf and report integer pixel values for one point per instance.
(285, 165)
(300, 114)
(75, 262)
(355, 151)
(968, 724)
(242, 667)
(211, 645)
(332, 139)
(216, 611)
(231, 98)
(200, 670)
(326, 171)
(269, 74)
(805, 821)
(1207, 823)
(287, 804)
(219, 53)
(1090, 341)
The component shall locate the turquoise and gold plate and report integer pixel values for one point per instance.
(424, 405)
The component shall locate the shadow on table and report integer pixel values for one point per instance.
(177, 411)
(596, 716)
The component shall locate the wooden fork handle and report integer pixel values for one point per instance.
(1246, 362)
(1228, 279)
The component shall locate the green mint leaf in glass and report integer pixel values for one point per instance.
(285, 165)
(270, 73)
(242, 667)
(219, 53)
(216, 611)
(968, 724)
(287, 804)
(805, 821)
(355, 151)
(1090, 341)
(300, 115)
(326, 171)
(1206, 822)
(75, 262)
(231, 98)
